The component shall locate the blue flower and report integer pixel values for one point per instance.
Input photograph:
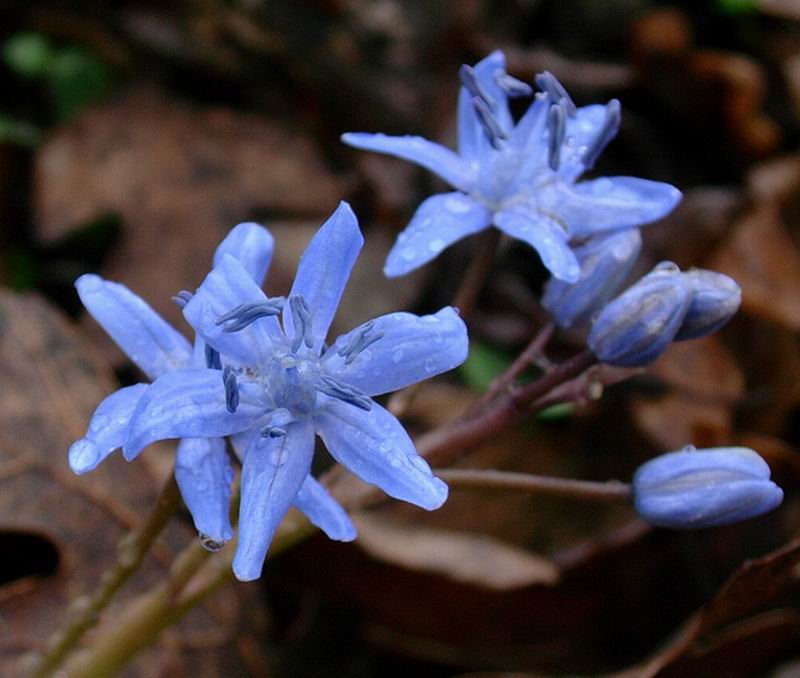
(605, 259)
(202, 466)
(281, 384)
(703, 488)
(522, 177)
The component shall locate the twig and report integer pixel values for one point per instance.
(131, 551)
(612, 491)
(477, 272)
(531, 355)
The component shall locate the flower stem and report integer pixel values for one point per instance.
(196, 575)
(612, 491)
(477, 272)
(130, 553)
(533, 352)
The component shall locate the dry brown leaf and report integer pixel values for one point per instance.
(674, 421)
(179, 177)
(763, 259)
(58, 532)
(470, 558)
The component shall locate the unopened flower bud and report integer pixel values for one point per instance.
(636, 328)
(605, 262)
(703, 488)
(715, 299)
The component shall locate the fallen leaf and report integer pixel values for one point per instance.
(469, 558)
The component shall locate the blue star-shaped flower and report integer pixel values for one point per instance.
(522, 177)
(281, 384)
(202, 466)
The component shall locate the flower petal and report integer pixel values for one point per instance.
(607, 203)
(204, 474)
(374, 446)
(108, 429)
(324, 511)
(324, 269)
(438, 222)
(432, 156)
(147, 339)
(411, 349)
(545, 236)
(472, 140)
(274, 470)
(581, 130)
(227, 286)
(251, 245)
(188, 404)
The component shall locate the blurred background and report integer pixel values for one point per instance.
(134, 135)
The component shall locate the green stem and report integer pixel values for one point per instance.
(130, 553)
(195, 576)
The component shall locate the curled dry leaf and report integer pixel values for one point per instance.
(470, 558)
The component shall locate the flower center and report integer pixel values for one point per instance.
(290, 382)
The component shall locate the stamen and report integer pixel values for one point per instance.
(474, 87)
(358, 342)
(344, 392)
(213, 361)
(182, 298)
(548, 83)
(512, 86)
(245, 314)
(491, 126)
(556, 126)
(607, 132)
(301, 318)
(231, 389)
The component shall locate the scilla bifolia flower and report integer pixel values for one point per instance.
(520, 177)
(703, 488)
(281, 384)
(203, 469)
(605, 260)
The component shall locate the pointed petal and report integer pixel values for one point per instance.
(374, 446)
(273, 472)
(147, 339)
(108, 429)
(438, 222)
(432, 156)
(204, 474)
(227, 286)
(608, 203)
(582, 128)
(188, 404)
(545, 236)
(411, 349)
(251, 245)
(324, 269)
(324, 511)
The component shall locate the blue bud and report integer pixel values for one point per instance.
(605, 262)
(636, 328)
(691, 489)
(715, 299)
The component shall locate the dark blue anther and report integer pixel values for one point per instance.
(358, 342)
(344, 392)
(301, 318)
(511, 85)
(548, 83)
(491, 126)
(607, 132)
(182, 298)
(474, 87)
(273, 432)
(213, 361)
(245, 314)
(556, 126)
(231, 389)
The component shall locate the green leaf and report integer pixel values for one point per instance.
(483, 364)
(18, 132)
(77, 79)
(736, 6)
(28, 54)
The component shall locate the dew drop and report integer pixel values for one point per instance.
(395, 462)
(408, 253)
(436, 245)
(397, 356)
(456, 206)
(210, 544)
(98, 423)
(430, 365)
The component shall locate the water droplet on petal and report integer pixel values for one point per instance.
(408, 253)
(397, 356)
(436, 245)
(98, 423)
